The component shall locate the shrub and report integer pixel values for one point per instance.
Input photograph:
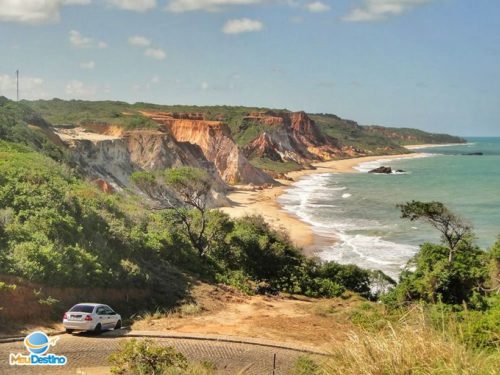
(238, 280)
(305, 365)
(144, 357)
(430, 276)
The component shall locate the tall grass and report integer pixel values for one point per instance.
(411, 346)
(408, 350)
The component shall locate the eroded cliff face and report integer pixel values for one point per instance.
(292, 136)
(111, 156)
(215, 142)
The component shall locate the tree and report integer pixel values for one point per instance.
(452, 272)
(178, 189)
(453, 228)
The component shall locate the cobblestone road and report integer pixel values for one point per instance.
(85, 351)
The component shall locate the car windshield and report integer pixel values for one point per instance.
(82, 308)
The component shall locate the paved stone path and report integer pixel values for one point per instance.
(84, 351)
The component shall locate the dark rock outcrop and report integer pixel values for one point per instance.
(382, 170)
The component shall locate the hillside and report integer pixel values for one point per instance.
(276, 141)
(376, 139)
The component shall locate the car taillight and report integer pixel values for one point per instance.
(65, 316)
(88, 318)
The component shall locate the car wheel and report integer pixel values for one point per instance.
(98, 328)
(118, 324)
(70, 331)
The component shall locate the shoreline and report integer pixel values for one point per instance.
(431, 145)
(264, 202)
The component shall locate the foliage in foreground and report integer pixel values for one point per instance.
(418, 340)
(145, 357)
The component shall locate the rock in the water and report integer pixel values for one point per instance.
(382, 169)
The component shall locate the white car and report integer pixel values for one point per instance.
(91, 317)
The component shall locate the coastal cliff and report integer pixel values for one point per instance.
(237, 145)
(111, 156)
(292, 136)
(215, 141)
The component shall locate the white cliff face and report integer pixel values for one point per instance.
(114, 158)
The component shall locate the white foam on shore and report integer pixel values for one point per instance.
(370, 165)
(306, 200)
(419, 147)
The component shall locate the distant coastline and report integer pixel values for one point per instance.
(431, 145)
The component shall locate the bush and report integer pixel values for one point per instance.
(238, 280)
(430, 276)
(144, 357)
(305, 365)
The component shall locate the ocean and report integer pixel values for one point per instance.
(356, 213)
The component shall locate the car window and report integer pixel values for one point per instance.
(109, 311)
(82, 308)
(101, 311)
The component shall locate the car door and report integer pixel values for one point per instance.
(113, 317)
(102, 316)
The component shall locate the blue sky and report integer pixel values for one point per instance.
(431, 64)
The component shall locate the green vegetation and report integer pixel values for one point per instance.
(176, 189)
(350, 133)
(245, 253)
(278, 167)
(377, 139)
(454, 272)
(14, 121)
(406, 136)
(145, 357)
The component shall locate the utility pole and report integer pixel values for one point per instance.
(17, 84)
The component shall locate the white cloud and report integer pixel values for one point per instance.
(34, 11)
(155, 53)
(139, 41)
(204, 86)
(155, 80)
(29, 87)
(79, 90)
(135, 5)
(80, 41)
(87, 65)
(318, 7)
(243, 25)
(374, 10)
(207, 5)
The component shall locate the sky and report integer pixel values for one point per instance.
(429, 64)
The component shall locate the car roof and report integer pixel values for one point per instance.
(90, 304)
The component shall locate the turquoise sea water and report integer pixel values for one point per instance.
(359, 210)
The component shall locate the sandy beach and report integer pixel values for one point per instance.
(417, 147)
(264, 202)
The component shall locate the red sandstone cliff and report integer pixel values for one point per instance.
(292, 136)
(216, 143)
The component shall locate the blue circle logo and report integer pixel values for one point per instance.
(37, 343)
